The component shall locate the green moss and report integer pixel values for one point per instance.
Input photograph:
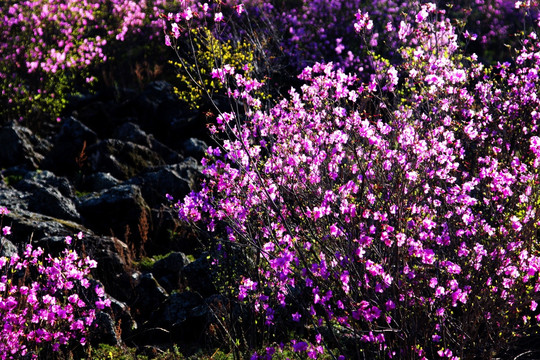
(70, 224)
(11, 180)
(81, 194)
(108, 352)
(146, 263)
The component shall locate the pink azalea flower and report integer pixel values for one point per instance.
(6, 230)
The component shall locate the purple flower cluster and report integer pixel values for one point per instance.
(42, 42)
(308, 31)
(398, 205)
(46, 300)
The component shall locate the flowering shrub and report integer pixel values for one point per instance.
(397, 207)
(296, 34)
(204, 41)
(42, 301)
(208, 52)
(48, 47)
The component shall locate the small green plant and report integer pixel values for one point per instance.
(56, 48)
(146, 263)
(11, 180)
(196, 77)
(109, 352)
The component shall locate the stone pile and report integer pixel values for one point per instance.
(105, 170)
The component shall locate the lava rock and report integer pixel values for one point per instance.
(48, 179)
(29, 226)
(199, 275)
(194, 147)
(68, 155)
(48, 199)
(122, 159)
(12, 198)
(176, 180)
(7, 248)
(185, 314)
(17, 147)
(113, 257)
(120, 211)
(133, 133)
(106, 333)
(148, 296)
(164, 115)
(99, 181)
(168, 270)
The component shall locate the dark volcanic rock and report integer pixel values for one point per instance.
(38, 211)
(133, 133)
(48, 179)
(13, 199)
(7, 248)
(111, 322)
(168, 270)
(122, 159)
(49, 201)
(113, 256)
(194, 147)
(120, 211)
(99, 181)
(164, 115)
(27, 225)
(153, 335)
(50, 195)
(176, 180)
(173, 263)
(68, 155)
(184, 313)
(17, 147)
(170, 233)
(107, 330)
(123, 318)
(103, 114)
(125, 152)
(199, 276)
(148, 296)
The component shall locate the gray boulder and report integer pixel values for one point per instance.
(7, 248)
(50, 201)
(194, 147)
(133, 133)
(48, 179)
(17, 147)
(176, 180)
(49, 195)
(122, 159)
(99, 181)
(69, 153)
(148, 296)
(168, 270)
(30, 226)
(119, 211)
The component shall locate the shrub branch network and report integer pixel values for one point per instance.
(372, 190)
